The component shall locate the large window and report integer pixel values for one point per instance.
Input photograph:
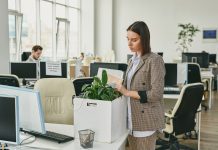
(28, 36)
(54, 24)
(46, 28)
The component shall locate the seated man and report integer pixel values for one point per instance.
(35, 54)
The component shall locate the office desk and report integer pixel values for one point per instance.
(75, 144)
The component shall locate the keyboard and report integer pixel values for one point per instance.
(53, 136)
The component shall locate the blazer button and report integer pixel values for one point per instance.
(142, 111)
(143, 83)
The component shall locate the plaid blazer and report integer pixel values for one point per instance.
(149, 77)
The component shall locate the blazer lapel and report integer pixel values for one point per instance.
(141, 63)
(127, 71)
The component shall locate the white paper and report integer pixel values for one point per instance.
(53, 68)
(114, 76)
(182, 73)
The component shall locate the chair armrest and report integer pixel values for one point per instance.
(169, 115)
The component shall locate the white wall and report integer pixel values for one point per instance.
(162, 17)
(103, 26)
(4, 37)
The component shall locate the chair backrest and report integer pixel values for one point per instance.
(56, 95)
(9, 79)
(194, 73)
(186, 108)
(79, 82)
(25, 56)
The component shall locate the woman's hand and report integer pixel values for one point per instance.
(120, 88)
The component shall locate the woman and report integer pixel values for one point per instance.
(143, 86)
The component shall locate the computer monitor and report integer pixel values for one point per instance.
(171, 74)
(31, 116)
(9, 119)
(201, 58)
(45, 74)
(212, 58)
(117, 66)
(24, 70)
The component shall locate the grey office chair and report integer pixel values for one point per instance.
(9, 79)
(182, 118)
(25, 56)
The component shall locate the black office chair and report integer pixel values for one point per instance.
(10, 80)
(25, 56)
(182, 119)
(194, 73)
(79, 82)
(194, 76)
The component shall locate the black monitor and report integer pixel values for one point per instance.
(201, 58)
(9, 122)
(24, 70)
(43, 73)
(117, 66)
(171, 74)
(212, 58)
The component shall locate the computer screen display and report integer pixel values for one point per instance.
(171, 74)
(201, 58)
(44, 74)
(9, 121)
(212, 58)
(31, 116)
(117, 66)
(25, 70)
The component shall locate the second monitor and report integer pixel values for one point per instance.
(24, 70)
(45, 74)
(96, 65)
(201, 58)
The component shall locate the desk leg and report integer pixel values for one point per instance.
(199, 129)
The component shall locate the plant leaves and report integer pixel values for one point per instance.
(104, 77)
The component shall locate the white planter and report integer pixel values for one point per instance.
(107, 119)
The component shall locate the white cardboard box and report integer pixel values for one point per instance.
(108, 119)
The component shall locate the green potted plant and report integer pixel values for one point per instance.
(99, 89)
(101, 109)
(185, 36)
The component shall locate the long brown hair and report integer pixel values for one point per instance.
(141, 29)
